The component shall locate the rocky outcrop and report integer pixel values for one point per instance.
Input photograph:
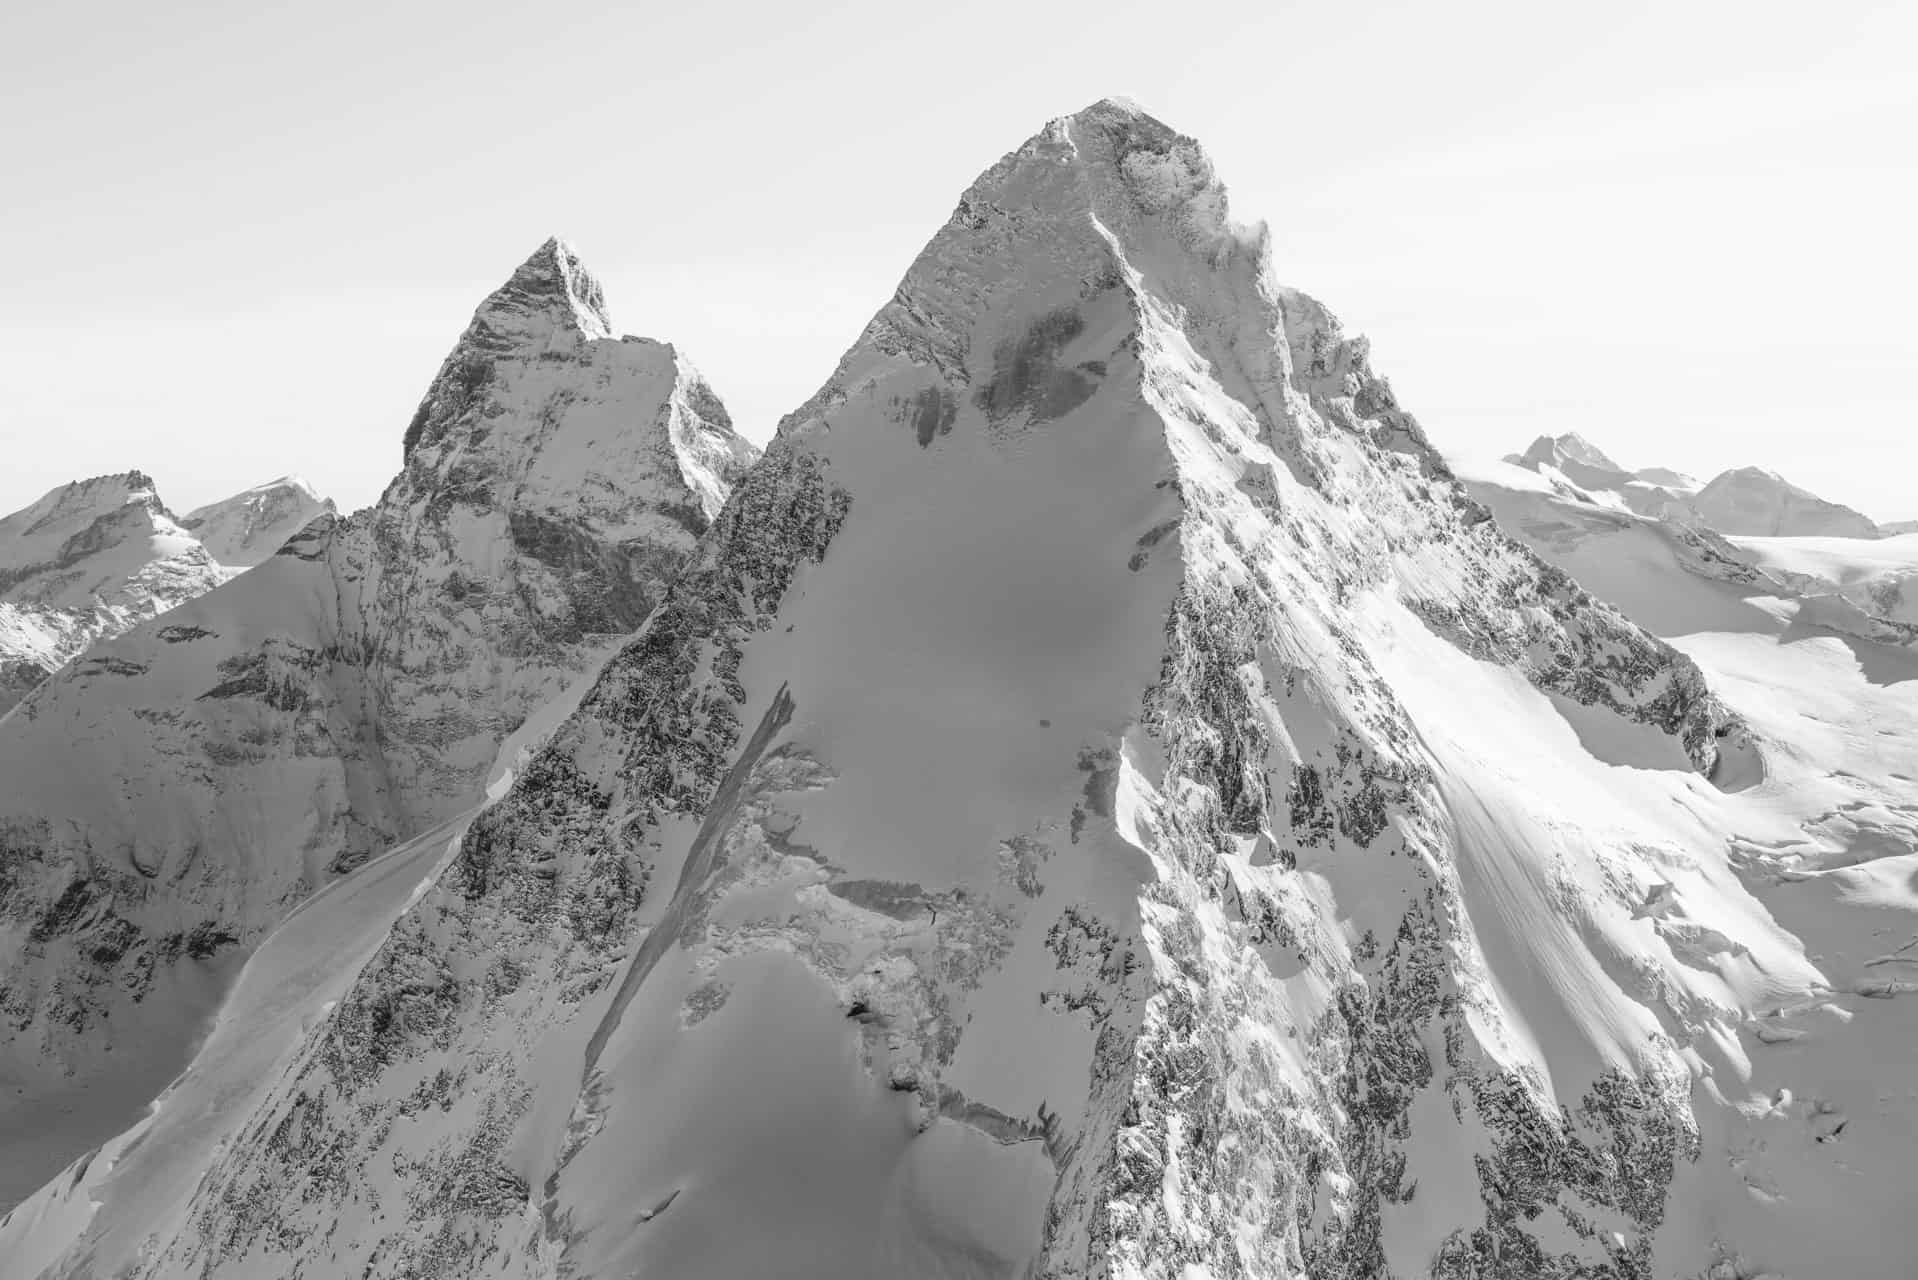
(174, 794)
(1058, 824)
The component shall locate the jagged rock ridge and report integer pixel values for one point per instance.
(1101, 800)
(1027, 787)
(168, 798)
(95, 557)
(88, 560)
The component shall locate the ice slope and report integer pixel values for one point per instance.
(1811, 1151)
(1102, 800)
(165, 800)
(246, 528)
(86, 561)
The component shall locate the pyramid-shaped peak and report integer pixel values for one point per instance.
(552, 285)
(1124, 116)
(1556, 450)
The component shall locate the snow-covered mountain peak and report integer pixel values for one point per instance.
(60, 512)
(1100, 800)
(1042, 829)
(536, 397)
(1553, 450)
(85, 561)
(1759, 502)
(201, 775)
(76, 547)
(552, 286)
(251, 525)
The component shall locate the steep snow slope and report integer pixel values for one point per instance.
(1817, 1150)
(173, 794)
(246, 528)
(145, 1174)
(1101, 801)
(88, 560)
(1742, 501)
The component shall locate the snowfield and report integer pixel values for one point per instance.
(1104, 798)
(1814, 1118)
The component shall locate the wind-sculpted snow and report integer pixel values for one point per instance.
(170, 796)
(1101, 801)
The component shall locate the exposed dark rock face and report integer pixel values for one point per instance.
(1043, 725)
(192, 781)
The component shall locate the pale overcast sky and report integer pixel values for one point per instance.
(243, 235)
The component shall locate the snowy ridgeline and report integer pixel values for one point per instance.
(1846, 572)
(95, 557)
(169, 795)
(1101, 799)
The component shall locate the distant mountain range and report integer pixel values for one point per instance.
(94, 557)
(1745, 500)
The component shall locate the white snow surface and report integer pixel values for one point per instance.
(93, 558)
(246, 528)
(85, 562)
(1805, 1164)
(170, 796)
(1880, 575)
(1103, 800)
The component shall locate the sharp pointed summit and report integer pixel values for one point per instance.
(1099, 801)
(552, 285)
(1040, 728)
(549, 307)
(167, 798)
